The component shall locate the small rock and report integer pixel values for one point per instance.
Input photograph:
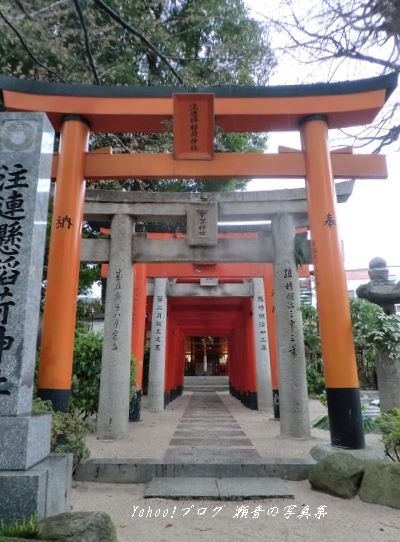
(339, 474)
(320, 451)
(79, 527)
(381, 484)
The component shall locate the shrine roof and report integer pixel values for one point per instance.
(237, 108)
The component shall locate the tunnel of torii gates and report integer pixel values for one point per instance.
(204, 297)
(193, 114)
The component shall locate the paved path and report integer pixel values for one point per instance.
(208, 433)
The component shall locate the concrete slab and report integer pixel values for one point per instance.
(181, 488)
(211, 442)
(204, 423)
(208, 418)
(253, 488)
(187, 454)
(217, 488)
(210, 432)
(130, 471)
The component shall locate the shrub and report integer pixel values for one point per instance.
(312, 347)
(373, 330)
(386, 335)
(68, 436)
(364, 317)
(38, 405)
(28, 528)
(86, 373)
(68, 432)
(315, 380)
(389, 424)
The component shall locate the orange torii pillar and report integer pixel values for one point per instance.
(340, 369)
(55, 371)
(249, 360)
(138, 334)
(273, 353)
(174, 367)
(170, 359)
(237, 367)
(263, 364)
(181, 365)
(232, 366)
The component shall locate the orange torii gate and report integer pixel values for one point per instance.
(75, 110)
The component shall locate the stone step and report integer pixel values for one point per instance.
(207, 379)
(130, 471)
(206, 383)
(227, 489)
(205, 388)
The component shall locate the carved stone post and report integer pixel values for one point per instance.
(293, 397)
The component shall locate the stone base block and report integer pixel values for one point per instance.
(59, 469)
(25, 440)
(22, 493)
(388, 373)
(43, 490)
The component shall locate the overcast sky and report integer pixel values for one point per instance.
(368, 222)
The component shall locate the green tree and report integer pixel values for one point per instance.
(140, 43)
(373, 330)
(312, 348)
(145, 42)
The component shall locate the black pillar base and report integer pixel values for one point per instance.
(170, 395)
(247, 398)
(345, 418)
(59, 398)
(135, 406)
(166, 398)
(275, 402)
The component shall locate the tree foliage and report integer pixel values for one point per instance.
(68, 431)
(389, 424)
(351, 38)
(312, 349)
(373, 331)
(208, 42)
(140, 43)
(87, 368)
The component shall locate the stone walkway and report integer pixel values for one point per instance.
(208, 433)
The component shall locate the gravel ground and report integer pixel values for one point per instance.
(192, 520)
(345, 520)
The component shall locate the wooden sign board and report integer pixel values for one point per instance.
(193, 126)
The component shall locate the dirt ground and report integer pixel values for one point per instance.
(314, 516)
(197, 520)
